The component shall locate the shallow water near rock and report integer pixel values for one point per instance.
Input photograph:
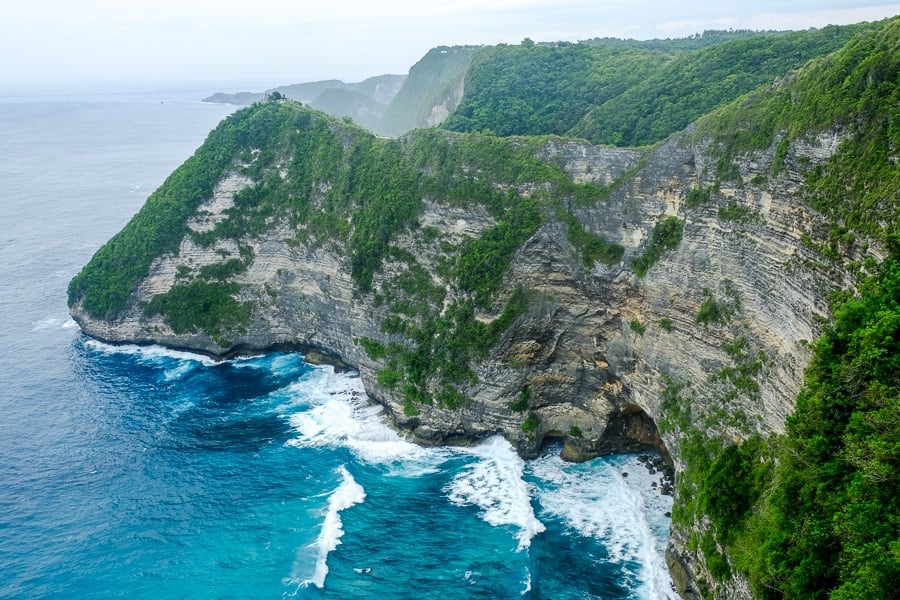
(147, 473)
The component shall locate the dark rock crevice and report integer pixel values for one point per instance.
(629, 430)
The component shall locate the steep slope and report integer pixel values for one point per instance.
(545, 287)
(388, 105)
(346, 103)
(431, 92)
(612, 92)
(815, 513)
(534, 89)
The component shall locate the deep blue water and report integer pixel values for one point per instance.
(132, 472)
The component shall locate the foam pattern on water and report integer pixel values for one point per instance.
(494, 484)
(613, 500)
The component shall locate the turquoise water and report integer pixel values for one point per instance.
(147, 473)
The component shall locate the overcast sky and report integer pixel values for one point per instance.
(273, 42)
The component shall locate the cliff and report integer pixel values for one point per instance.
(388, 105)
(538, 287)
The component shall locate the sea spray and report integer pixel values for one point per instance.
(348, 493)
(51, 322)
(494, 484)
(149, 354)
(614, 501)
(338, 414)
(328, 410)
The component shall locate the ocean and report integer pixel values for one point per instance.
(141, 472)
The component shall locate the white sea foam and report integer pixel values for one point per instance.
(348, 493)
(526, 582)
(626, 514)
(53, 323)
(46, 323)
(149, 353)
(337, 413)
(494, 484)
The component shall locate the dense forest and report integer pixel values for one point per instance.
(633, 94)
(811, 513)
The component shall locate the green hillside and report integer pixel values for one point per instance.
(626, 94)
(535, 89)
(815, 513)
(340, 102)
(429, 82)
(854, 91)
(380, 184)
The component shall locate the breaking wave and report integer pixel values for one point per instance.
(495, 485)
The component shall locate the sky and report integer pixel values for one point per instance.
(264, 43)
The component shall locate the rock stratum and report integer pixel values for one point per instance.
(537, 287)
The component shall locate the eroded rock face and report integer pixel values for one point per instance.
(593, 343)
(597, 351)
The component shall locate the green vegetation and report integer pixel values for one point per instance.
(854, 91)
(832, 521)
(627, 93)
(540, 89)
(741, 376)
(209, 307)
(379, 182)
(227, 269)
(814, 513)
(737, 212)
(336, 184)
(531, 422)
(666, 236)
(484, 260)
(104, 284)
(440, 349)
(593, 248)
(719, 310)
(697, 196)
(524, 401)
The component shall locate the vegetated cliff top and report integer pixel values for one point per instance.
(608, 91)
(854, 91)
(376, 188)
(626, 94)
(851, 89)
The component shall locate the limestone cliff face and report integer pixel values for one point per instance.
(596, 343)
(724, 316)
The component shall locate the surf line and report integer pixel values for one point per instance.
(495, 485)
(348, 493)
